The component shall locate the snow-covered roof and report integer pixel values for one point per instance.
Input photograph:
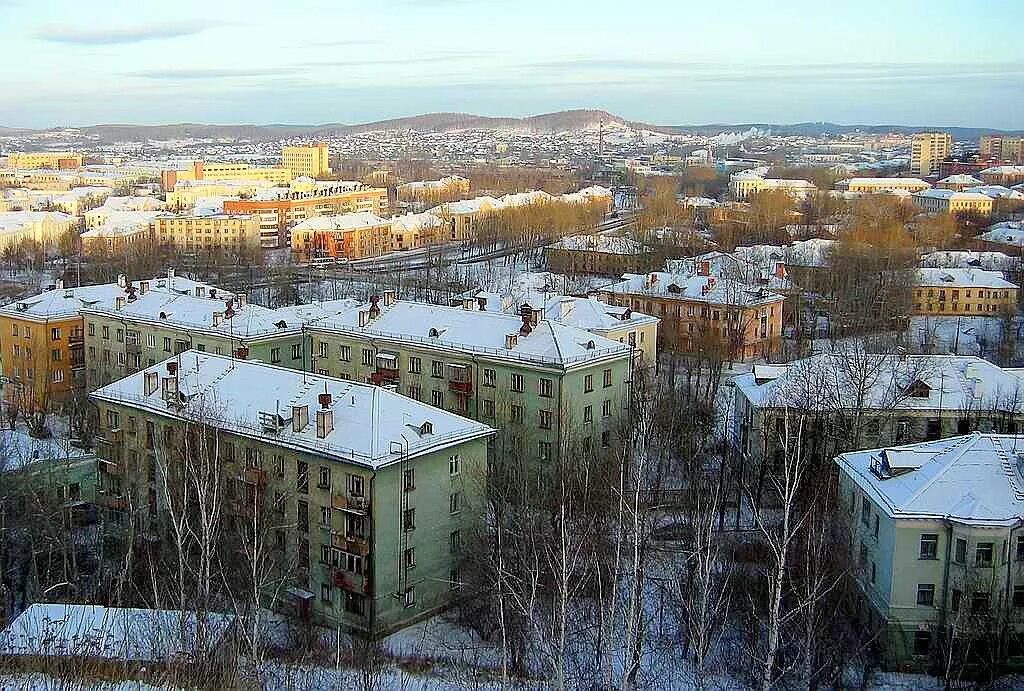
(460, 330)
(414, 222)
(1003, 170)
(258, 400)
(352, 221)
(884, 182)
(64, 303)
(604, 244)
(433, 184)
(592, 314)
(719, 291)
(838, 381)
(124, 223)
(951, 195)
(975, 479)
(962, 259)
(18, 449)
(996, 192)
(1005, 233)
(467, 206)
(113, 204)
(961, 278)
(315, 311)
(960, 179)
(525, 198)
(110, 633)
(15, 220)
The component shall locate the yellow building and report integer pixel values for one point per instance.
(1009, 149)
(879, 185)
(951, 202)
(312, 161)
(201, 170)
(187, 192)
(60, 160)
(411, 231)
(44, 227)
(963, 292)
(462, 217)
(446, 189)
(927, 150)
(232, 233)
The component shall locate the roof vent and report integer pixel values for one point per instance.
(300, 417)
(324, 399)
(511, 341)
(324, 422)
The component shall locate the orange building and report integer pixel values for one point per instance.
(698, 312)
(353, 236)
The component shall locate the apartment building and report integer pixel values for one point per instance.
(882, 185)
(1001, 148)
(958, 183)
(746, 183)
(548, 386)
(42, 338)
(868, 401)
(187, 193)
(312, 161)
(58, 160)
(954, 291)
(352, 236)
(424, 192)
(120, 230)
(703, 312)
(1003, 175)
(114, 207)
(937, 546)
(141, 327)
(234, 234)
(603, 255)
(206, 170)
(927, 150)
(43, 227)
(279, 210)
(375, 492)
(946, 201)
(462, 217)
(637, 330)
(411, 231)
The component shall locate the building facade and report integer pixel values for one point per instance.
(206, 170)
(58, 160)
(927, 150)
(1000, 148)
(312, 161)
(351, 236)
(945, 201)
(374, 492)
(230, 233)
(952, 291)
(600, 254)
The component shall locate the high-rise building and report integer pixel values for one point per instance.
(1010, 149)
(312, 161)
(927, 150)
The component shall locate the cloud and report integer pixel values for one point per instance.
(420, 60)
(340, 43)
(212, 73)
(103, 36)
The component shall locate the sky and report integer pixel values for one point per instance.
(911, 62)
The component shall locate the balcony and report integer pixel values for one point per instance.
(356, 505)
(384, 377)
(459, 380)
(111, 467)
(352, 582)
(255, 476)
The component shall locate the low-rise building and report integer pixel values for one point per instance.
(1001, 148)
(955, 291)
(120, 230)
(113, 207)
(1007, 176)
(958, 183)
(746, 183)
(375, 492)
(43, 227)
(700, 313)
(228, 233)
(604, 255)
(59, 160)
(430, 192)
(352, 236)
(937, 544)
(945, 201)
(880, 185)
(462, 217)
(207, 170)
(1007, 236)
(411, 231)
(548, 386)
(615, 323)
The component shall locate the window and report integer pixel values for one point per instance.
(322, 349)
(545, 419)
(409, 479)
(922, 642)
(325, 516)
(437, 398)
(489, 377)
(454, 541)
(1018, 596)
(410, 597)
(926, 594)
(409, 519)
(865, 508)
(516, 383)
(544, 387)
(151, 340)
(296, 351)
(588, 383)
(325, 477)
(54, 333)
(345, 353)
(355, 603)
(453, 502)
(409, 557)
(275, 355)
(120, 335)
(606, 408)
(960, 551)
(92, 329)
(58, 376)
(487, 409)
(414, 391)
(106, 333)
(167, 344)
(279, 465)
(606, 439)
(979, 603)
(930, 546)
(588, 414)
(983, 554)
(415, 365)
(436, 368)
(516, 413)
(302, 477)
(367, 356)
(325, 592)
(1020, 548)
(955, 597)
(454, 465)
(355, 485)
(874, 530)
(607, 378)
(113, 420)
(302, 515)
(545, 450)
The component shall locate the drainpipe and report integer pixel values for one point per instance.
(943, 611)
(1008, 585)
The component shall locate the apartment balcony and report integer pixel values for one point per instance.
(76, 340)
(459, 380)
(352, 582)
(352, 544)
(355, 505)
(133, 348)
(384, 376)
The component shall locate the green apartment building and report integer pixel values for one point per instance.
(938, 548)
(546, 385)
(372, 492)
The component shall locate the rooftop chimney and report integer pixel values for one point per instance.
(324, 399)
(143, 287)
(300, 417)
(119, 302)
(59, 285)
(481, 301)
(374, 306)
(389, 298)
(467, 303)
(151, 382)
(527, 314)
(213, 293)
(200, 292)
(122, 280)
(172, 367)
(217, 316)
(511, 340)
(243, 299)
(364, 317)
(704, 268)
(324, 422)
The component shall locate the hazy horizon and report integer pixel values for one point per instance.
(666, 63)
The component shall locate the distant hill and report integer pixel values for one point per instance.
(447, 122)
